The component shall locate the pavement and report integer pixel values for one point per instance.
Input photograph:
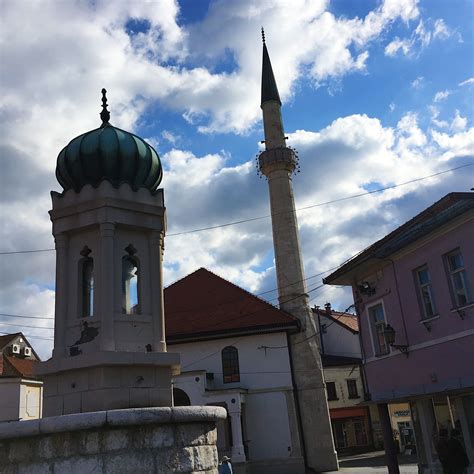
(374, 463)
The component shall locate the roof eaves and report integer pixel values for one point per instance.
(226, 333)
(381, 249)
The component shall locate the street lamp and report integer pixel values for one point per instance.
(389, 334)
(366, 289)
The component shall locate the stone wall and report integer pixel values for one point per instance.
(139, 440)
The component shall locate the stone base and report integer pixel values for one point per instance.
(151, 440)
(107, 381)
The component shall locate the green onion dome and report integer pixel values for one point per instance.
(108, 153)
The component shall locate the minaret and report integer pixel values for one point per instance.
(278, 162)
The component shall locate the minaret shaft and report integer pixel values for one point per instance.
(273, 125)
(277, 163)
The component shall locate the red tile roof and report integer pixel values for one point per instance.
(447, 208)
(23, 366)
(202, 304)
(15, 367)
(347, 320)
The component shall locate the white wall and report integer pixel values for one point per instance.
(338, 340)
(31, 400)
(264, 390)
(9, 399)
(259, 368)
(266, 418)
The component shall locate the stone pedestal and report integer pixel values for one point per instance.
(159, 440)
(107, 381)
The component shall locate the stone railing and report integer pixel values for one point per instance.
(137, 440)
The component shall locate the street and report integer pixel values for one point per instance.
(374, 463)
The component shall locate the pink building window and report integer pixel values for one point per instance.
(425, 293)
(458, 278)
(377, 321)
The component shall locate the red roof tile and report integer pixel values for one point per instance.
(18, 367)
(344, 319)
(203, 303)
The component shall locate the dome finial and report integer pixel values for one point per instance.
(263, 35)
(105, 114)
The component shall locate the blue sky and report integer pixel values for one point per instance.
(374, 93)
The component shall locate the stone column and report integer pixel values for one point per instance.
(61, 313)
(388, 441)
(106, 288)
(238, 452)
(156, 282)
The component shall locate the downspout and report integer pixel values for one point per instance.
(365, 384)
(320, 331)
(400, 302)
(297, 408)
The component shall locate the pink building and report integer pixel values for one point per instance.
(414, 293)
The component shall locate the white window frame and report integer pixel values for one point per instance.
(372, 328)
(463, 276)
(421, 288)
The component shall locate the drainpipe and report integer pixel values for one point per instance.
(365, 384)
(321, 338)
(399, 301)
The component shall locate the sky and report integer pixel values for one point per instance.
(375, 93)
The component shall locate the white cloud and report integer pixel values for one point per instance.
(170, 137)
(459, 123)
(421, 37)
(434, 117)
(442, 95)
(418, 82)
(441, 30)
(467, 82)
(458, 144)
(397, 45)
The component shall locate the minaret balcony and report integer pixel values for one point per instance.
(284, 158)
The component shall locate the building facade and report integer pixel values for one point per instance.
(339, 344)
(234, 353)
(21, 393)
(414, 295)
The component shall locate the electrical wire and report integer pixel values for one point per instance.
(25, 317)
(30, 336)
(252, 219)
(24, 326)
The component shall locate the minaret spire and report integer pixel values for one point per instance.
(269, 87)
(278, 162)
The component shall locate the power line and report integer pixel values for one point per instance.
(252, 219)
(30, 336)
(210, 306)
(26, 251)
(26, 317)
(24, 326)
(323, 203)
